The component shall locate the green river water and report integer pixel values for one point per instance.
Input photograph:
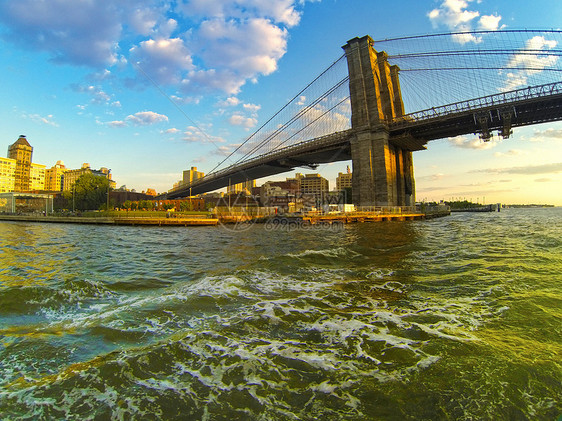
(457, 318)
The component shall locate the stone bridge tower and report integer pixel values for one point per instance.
(383, 173)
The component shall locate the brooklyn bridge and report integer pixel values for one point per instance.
(360, 108)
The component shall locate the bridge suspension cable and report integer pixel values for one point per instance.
(321, 108)
(443, 68)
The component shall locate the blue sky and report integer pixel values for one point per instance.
(149, 88)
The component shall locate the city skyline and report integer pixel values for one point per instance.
(152, 90)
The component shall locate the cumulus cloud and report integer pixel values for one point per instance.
(164, 60)
(75, 32)
(237, 51)
(527, 64)
(466, 142)
(231, 101)
(280, 11)
(232, 41)
(240, 120)
(146, 118)
(252, 107)
(456, 16)
(117, 124)
(188, 48)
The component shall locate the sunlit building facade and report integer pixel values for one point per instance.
(37, 177)
(53, 176)
(343, 181)
(70, 176)
(7, 175)
(21, 151)
(191, 175)
(313, 184)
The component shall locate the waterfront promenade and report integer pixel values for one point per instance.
(238, 215)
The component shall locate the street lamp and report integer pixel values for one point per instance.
(108, 184)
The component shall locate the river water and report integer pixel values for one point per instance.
(453, 318)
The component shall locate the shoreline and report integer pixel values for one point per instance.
(345, 218)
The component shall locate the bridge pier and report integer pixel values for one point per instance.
(383, 172)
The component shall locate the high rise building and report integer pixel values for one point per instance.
(53, 176)
(21, 151)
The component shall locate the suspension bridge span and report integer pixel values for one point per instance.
(362, 118)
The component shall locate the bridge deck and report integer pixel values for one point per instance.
(522, 107)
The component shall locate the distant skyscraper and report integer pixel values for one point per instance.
(21, 151)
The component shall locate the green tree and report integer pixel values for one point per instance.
(126, 205)
(90, 192)
(186, 206)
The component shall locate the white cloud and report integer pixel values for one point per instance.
(240, 50)
(279, 11)
(145, 118)
(231, 101)
(489, 22)
(252, 107)
(198, 45)
(173, 130)
(465, 142)
(455, 16)
(541, 135)
(529, 64)
(117, 124)
(48, 120)
(163, 60)
(240, 120)
(76, 32)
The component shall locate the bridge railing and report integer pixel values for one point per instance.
(480, 103)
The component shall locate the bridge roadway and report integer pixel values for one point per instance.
(522, 107)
